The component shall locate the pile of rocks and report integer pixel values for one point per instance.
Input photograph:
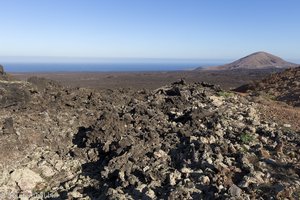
(38, 120)
(182, 142)
(179, 141)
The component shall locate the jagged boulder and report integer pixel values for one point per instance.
(13, 94)
(25, 179)
(1, 69)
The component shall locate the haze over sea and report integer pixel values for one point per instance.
(107, 66)
(45, 64)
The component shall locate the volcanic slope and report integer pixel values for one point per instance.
(258, 60)
(185, 141)
(180, 141)
(282, 86)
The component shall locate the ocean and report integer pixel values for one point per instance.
(100, 67)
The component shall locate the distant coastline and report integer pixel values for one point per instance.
(102, 67)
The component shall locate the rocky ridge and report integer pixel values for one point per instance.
(180, 141)
(283, 86)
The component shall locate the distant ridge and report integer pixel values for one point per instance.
(257, 60)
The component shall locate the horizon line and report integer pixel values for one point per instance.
(47, 59)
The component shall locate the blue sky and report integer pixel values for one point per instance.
(181, 29)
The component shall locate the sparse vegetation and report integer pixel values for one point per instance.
(246, 138)
(269, 96)
(225, 94)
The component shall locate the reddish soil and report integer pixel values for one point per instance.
(280, 113)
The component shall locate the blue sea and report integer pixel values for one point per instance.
(100, 67)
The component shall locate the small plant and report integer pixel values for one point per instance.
(270, 96)
(225, 94)
(246, 138)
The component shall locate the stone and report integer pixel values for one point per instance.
(173, 177)
(186, 170)
(235, 191)
(150, 193)
(240, 117)
(47, 171)
(216, 101)
(26, 179)
(205, 180)
(76, 194)
(161, 154)
(8, 126)
(264, 153)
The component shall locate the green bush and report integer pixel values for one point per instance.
(246, 138)
(225, 94)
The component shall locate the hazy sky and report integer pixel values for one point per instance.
(200, 29)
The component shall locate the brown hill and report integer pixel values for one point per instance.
(258, 60)
(282, 86)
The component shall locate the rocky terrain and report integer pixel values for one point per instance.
(180, 141)
(228, 79)
(282, 86)
(257, 60)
